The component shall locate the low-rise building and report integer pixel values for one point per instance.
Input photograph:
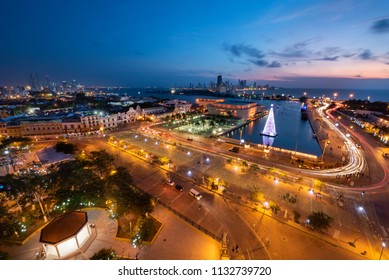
(235, 109)
(73, 125)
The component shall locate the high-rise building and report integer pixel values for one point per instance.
(219, 80)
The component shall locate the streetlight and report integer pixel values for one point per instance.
(383, 245)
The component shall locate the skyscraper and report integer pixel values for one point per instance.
(219, 80)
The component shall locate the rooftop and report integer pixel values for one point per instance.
(236, 102)
(63, 227)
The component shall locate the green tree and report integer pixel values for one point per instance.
(275, 208)
(257, 196)
(101, 161)
(254, 168)
(30, 189)
(320, 221)
(127, 197)
(203, 122)
(104, 254)
(76, 182)
(296, 216)
(4, 256)
(8, 223)
(148, 228)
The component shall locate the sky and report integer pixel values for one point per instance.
(321, 44)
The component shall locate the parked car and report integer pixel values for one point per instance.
(180, 188)
(170, 183)
(234, 149)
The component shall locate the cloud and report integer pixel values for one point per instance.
(348, 55)
(358, 76)
(240, 50)
(294, 15)
(327, 58)
(259, 62)
(380, 26)
(251, 54)
(274, 64)
(366, 55)
(297, 50)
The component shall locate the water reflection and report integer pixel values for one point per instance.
(293, 133)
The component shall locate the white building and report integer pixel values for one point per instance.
(95, 122)
(91, 122)
(108, 122)
(129, 116)
(153, 110)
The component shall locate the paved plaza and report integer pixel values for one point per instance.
(177, 240)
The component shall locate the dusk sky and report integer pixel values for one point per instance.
(328, 44)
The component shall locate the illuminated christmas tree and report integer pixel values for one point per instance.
(270, 126)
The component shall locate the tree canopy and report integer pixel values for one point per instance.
(320, 221)
(104, 254)
(67, 148)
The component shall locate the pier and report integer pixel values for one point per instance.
(257, 116)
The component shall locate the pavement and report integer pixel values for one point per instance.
(177, 240)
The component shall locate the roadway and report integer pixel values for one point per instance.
(188, 159)
(211, 212)
(214, 209)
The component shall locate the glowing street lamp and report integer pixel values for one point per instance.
(383, 245)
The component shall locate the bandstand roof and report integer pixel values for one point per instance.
(63, 227)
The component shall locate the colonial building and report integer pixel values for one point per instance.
(73, 125)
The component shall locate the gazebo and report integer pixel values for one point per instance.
(65, 235)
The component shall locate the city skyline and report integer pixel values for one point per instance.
(335, 45)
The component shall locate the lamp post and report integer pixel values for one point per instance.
(383, 245)
(324, 150)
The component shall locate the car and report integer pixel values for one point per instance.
(234, 149)
(179, 188)
(385, 155)
(170, 183)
